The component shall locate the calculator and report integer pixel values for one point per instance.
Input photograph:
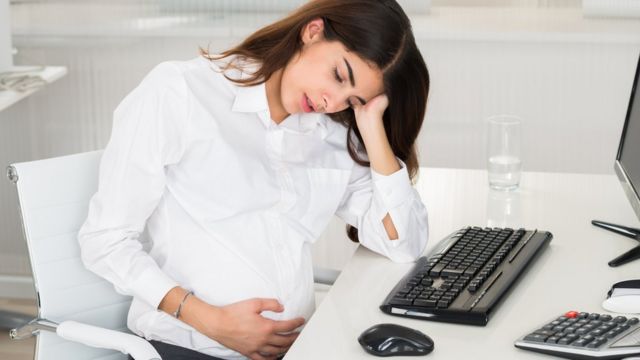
(583, 335)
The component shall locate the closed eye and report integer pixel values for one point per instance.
(337, 75)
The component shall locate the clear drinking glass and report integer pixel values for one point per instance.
(504, 161)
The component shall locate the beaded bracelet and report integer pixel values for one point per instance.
(177, 313)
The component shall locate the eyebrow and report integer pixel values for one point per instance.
(352, 80)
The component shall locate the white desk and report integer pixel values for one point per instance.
(571, 273)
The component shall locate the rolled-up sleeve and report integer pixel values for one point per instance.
(147, 135)
(370, 197)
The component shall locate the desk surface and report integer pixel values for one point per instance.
(571, 274)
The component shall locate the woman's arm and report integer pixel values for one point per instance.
(383, 161)
(380, 200)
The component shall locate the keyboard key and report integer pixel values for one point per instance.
(400, 301)
(427, 281)
(451, 272)
(425, 303)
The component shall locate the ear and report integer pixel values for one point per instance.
(313, 31)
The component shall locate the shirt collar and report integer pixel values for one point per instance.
(253, 99)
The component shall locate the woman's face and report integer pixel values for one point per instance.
(325, 77)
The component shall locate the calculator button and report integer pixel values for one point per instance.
(611, 334)
(567, 339)
(581, 342)
(582, 331)
(620, 319)
(552, 339)
(605, 317)
(583, 315)
(596, 343)
(632, 321)
(535, 338)
(571, 314)
(545, 332)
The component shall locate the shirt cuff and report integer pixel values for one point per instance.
(152, 286)
(394, 189)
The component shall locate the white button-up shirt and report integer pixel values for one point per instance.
(199, 188)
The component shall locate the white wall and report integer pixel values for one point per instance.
(6, 60)
(572, 96)
(571, 89)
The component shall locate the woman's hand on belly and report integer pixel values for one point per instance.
(241, 327)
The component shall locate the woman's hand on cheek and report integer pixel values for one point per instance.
(369, 116)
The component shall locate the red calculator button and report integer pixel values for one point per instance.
(571, 314)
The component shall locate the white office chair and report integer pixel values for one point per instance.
(81, 314)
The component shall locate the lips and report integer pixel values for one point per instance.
(307, 104)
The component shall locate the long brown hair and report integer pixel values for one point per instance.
(378, 31)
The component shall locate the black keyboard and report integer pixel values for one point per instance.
(465, 276)
(582, 335)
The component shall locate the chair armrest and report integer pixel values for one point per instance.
(99, 337)
(325, 275)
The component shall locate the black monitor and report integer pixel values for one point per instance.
(627, 167)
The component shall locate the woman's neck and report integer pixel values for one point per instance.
(272, 86)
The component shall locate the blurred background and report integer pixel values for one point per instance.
(565, 66)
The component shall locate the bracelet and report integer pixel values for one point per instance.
(184, 299)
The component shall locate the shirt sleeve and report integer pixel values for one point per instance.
(147, 135)
(368, 199)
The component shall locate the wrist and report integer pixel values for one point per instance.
(205, 318)
(380, 153)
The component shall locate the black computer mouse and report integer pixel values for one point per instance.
(395, 340)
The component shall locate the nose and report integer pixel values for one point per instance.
(334, 102)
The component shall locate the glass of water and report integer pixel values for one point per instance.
(504, 161)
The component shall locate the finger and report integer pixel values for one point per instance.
(257, 356)
(284, 326)
(269, 305)
(270, 350)
(379, 102)
(282, 340)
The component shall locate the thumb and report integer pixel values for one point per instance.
(379, 103)
(270, 305)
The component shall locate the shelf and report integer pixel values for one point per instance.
(523, 24)
(48, 73)
(482, 23)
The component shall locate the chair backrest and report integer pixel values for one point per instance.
(54, 196)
